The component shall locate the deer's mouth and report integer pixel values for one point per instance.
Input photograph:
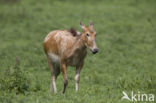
(95, 50)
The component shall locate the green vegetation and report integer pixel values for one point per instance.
(126, 37)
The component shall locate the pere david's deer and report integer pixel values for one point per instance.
(68, 48)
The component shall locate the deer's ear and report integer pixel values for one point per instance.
(82, 25)
(91, 24)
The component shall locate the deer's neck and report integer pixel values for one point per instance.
(79, 44)
(78, 48)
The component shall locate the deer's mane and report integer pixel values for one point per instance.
(73, 32)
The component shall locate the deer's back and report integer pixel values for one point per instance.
(58, 41)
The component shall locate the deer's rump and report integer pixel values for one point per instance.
(57, 43)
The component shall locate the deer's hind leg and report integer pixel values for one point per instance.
(64, 72)
(55, 71)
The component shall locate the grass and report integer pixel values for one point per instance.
(125, 36)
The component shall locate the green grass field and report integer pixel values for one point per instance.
(126, 37)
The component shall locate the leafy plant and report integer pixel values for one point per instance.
(15, 80)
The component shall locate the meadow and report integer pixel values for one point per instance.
(126, 37)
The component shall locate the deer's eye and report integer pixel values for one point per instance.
(87, 34)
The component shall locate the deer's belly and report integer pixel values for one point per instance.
(54, 58)
(73, 61)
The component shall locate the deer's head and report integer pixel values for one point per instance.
(89, 37)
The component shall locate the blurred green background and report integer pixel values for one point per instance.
(126, 37)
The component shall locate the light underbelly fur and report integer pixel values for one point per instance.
(54, 58)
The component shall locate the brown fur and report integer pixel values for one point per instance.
(73, 31)
(63, 49)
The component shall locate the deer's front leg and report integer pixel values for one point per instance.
(77, 77)
(64, 73)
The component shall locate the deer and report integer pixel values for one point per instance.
(65, 48)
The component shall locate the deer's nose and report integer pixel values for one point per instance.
(95, 50)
